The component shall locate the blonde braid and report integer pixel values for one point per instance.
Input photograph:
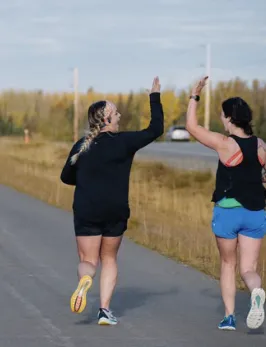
(96, 122)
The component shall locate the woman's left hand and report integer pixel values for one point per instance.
(199, 86)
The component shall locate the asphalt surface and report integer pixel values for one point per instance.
(184, 155)
(159, 302)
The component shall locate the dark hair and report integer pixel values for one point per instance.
(239, 112)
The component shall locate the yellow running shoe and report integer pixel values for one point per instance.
(78, 299)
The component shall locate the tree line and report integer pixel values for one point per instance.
(51, 115)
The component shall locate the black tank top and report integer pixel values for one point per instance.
(244, 181)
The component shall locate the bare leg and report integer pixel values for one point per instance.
(108, 255)
(88, 249)
(249, 254)
(228, 256)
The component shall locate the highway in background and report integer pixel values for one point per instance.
(186, 155)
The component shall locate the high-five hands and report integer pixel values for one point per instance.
(199, 86)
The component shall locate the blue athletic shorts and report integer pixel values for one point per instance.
(229, 222)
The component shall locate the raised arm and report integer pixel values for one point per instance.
(136, 140)
(208, 138)
(68, 174)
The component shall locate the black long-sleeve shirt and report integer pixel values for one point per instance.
(101, 174)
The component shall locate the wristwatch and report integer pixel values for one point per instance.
(195, 97)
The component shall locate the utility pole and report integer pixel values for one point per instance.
(76, 107)
(208, 88)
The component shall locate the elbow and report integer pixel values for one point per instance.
(161, 129)
(63, 177)
(155, 131)
(190, 128)
(191, 125)
(159, 132)
(64, 180)
(67, 180)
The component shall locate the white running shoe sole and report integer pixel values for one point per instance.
(256, 314)
(227, 328)
(106, 321)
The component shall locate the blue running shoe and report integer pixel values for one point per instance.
(228, 323)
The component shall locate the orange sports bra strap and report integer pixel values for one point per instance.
(234, 156)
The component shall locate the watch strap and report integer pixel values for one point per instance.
(195, 97)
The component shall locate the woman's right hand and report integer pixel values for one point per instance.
(199, 86)
(156, 87)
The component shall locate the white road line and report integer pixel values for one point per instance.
(55, 334)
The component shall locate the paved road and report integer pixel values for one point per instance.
(159, 303)
(185, 155)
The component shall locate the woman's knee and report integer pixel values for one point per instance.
(88, 259)
(227, 250)
(228, 262)
(108, 258)
(247, 268)
(109, 249)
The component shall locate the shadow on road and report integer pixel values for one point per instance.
(241, 310)
(124, 300)
(130, 298)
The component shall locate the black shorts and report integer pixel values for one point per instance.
(106, 229)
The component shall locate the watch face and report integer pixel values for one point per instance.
(195, 97)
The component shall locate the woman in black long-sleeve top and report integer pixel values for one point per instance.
(99, 167)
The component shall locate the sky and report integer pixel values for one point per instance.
(120, 45)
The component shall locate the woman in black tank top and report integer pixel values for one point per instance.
(239, 202)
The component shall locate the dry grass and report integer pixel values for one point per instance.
(170, 209)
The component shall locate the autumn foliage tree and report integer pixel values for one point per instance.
(51, 115)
